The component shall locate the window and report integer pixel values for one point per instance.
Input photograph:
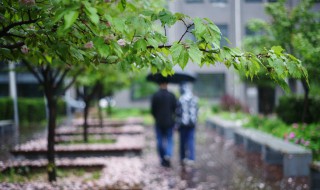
(272, 1)
(254, 1)
(194, 1)
(224, 32)
(210, 85)
(218, 1)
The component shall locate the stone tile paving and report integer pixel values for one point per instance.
(220, 165)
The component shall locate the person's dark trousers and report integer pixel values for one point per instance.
(164, 144)
(187, 147)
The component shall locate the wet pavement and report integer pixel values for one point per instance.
(219, 165)
(12, 138)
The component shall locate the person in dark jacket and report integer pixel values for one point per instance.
(163, 107)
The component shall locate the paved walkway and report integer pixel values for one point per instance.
(220, 165)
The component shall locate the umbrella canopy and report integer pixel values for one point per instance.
(177, 78)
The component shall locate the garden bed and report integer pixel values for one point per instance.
(92, 139)
(116, 173)
(108, 122)
(127, 129)
(125, 145)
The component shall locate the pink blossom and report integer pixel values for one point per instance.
(28, 2)
(88, 45)
(121, 42)
(307, 143)
(291, 135)
(24, 49)
(295, 125)
(109, 37)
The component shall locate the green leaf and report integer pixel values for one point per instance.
(119, 24)
(199, 27)
(103, 49)
(176, 51)
(141, 44)
(179, 55)
(195, 54)
(278, 67)
(112, 59)
(152, 42)
(284, 85)
(70, 18)
(92, 13)
(293, 69)
(183, 58)
(277, 50)
(166, 17)
(75, 53)
(124, 4)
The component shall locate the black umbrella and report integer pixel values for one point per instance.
(177, 77)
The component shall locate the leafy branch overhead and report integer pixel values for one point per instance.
(128, 34)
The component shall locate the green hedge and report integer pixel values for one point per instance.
(6, 109)
(30, 109)
(290, 109)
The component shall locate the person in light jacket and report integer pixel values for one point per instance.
(186, 118)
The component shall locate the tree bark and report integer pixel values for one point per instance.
(306, 101)
(99, 108)
(52, 114)
(85, 124)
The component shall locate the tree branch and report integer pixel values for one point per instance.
(72, 81)
(33, 71)
(6, 29)
(61, 79)
(14, 35)
(12, 46)
(187, 30)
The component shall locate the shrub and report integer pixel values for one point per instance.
(229, 103)
(6, 109)
(31, 110)
(290, 109)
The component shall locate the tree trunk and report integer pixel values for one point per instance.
(306, 101)
(52, 114)
(99, 108)
(266, 97)
(85, 124)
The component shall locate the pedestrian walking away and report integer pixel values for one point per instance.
(163, 109)
(186, 118)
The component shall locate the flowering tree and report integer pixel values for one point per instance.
(57, 38)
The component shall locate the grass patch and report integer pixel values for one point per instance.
(25, 174)
(124, 113)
